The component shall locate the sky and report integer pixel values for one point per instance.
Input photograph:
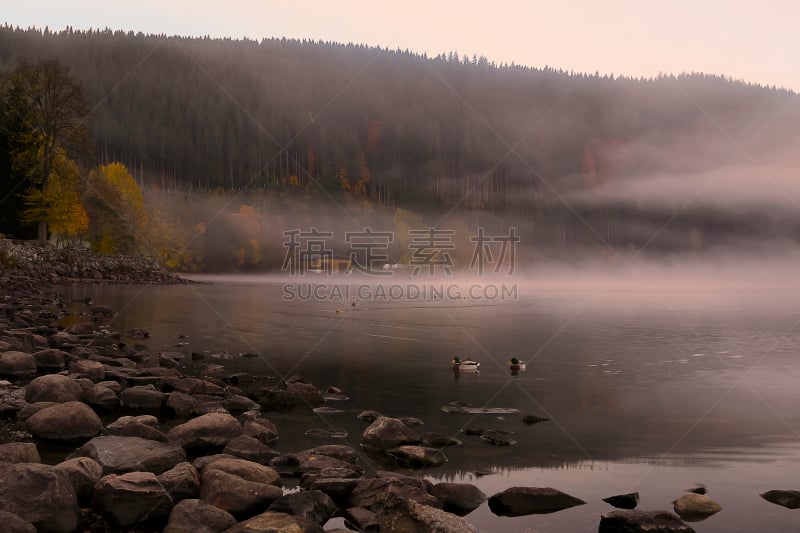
(756, 41)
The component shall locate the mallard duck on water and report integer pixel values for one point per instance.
(516, 365)
(467, 365)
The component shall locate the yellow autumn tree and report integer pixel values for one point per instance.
(116, 209)
(59, 202)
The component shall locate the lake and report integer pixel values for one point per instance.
(649, 387)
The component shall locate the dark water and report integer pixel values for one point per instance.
(648, 388)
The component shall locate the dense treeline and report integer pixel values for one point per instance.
(397, 127)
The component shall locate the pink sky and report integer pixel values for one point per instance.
(745, 39)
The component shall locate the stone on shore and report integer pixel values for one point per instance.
(271, 522)
(181, 482)
(642, 522)
(50, 360)
(386, 433)
(131, 498)
(398, 514)
(68, 422)
(40, 495)
(196, 516)
(14, 524)
(623, 501)
(142, 398)
(250, 449)
(520, 501)
(119, 455)
(210, 430)
(458, 498)
(17, 365)
(242, 488)
(101, 397)
(366, 493)
(83, 473)
(417, 456)
(313, 505)
(19, 452)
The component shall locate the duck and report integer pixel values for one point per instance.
(516, 365)
(467, 365)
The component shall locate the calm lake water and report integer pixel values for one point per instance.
(648, 388)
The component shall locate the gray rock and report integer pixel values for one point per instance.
(53, 388)
(181, 482)
(261, 429)
(786, 498)
(337, 451)
(398, 514)
(361, 519)
(198, 517)
(369, 416)
(211, 430)
(31, 409)
(62, 338)
(312, 505)
(81, 328)
(695, 507)
(86, 368)
(386, 433)
(131, 498)
(19, 452)
(337, 488)
(119, 455)
(624, 501)
(458, 498)
(239, 487)
(497, 438)
(296, 393)
(12, 523)
(40, 495)
(250, 449)
(642, 522)
(17, 365)
(519, 501)
(181, 404)
(193, 386)
(439, 440)
(68, 421)
(366, 492)
(270, 522)
(143, 398)
(83, 473)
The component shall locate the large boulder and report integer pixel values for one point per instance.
(83, 473)
(17, 365)
(119, 455)
(312, 505)
(101, 397)
(458, 498)
(271, 522)
(386, 433)
(519, 501)
(198, 517)
(281, 398)
(242, 488)
(642, 522)
(40, 495)
(19, 452)
(181, 482)
(211, 430)
(787, 498)
(130, 498)
(695, 507)
(67, 421)
(53, 388)
(399, 514)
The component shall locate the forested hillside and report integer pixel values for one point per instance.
(265, 128)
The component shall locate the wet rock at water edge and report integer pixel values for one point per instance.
(458, 498)
(327, 410)
(417, 456)
(137, 334)
(398, 514)
(520, 501)
(498, 438)
(198, 517)
(787, 498)
(642, 522)
(327, 433)
(211, 430)
(361, 519)
(239, 487)
(130, 498)
(369, 416)
(624, 501)
(40, 495)
(695, 507)
(532, 419)
(250, 449)
(386, 433)
(366, 493)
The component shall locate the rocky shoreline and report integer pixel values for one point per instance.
(100, 434)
